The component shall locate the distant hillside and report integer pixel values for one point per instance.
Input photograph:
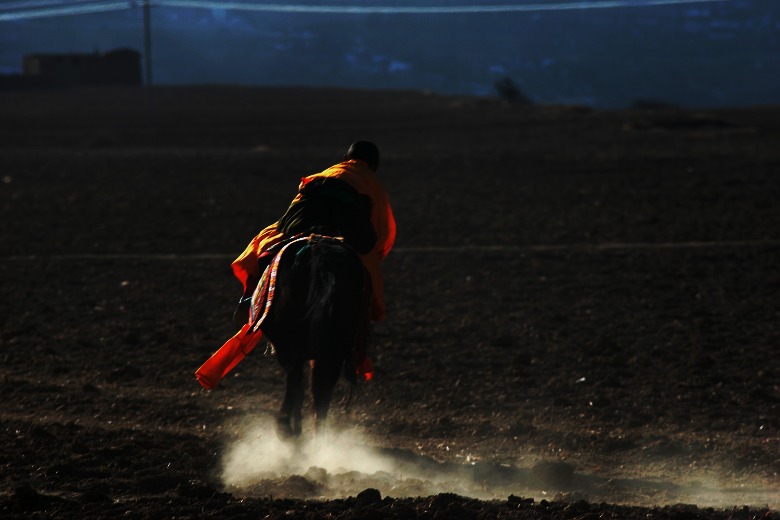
(711, 54)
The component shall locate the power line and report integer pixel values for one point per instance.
(455, 9)
(49, 10)
(22, 10)
(30, 4)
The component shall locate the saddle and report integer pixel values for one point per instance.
(263, 297)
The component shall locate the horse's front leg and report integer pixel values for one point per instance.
(289, 419)
(323, 379)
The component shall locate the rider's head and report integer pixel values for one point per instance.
(366, 151)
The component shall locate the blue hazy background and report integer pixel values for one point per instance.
(712, 54)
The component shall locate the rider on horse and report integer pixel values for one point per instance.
(347, 200)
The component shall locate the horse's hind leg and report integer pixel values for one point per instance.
(323, 379)
(289, 419)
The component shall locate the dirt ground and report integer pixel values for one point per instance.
(583, 309)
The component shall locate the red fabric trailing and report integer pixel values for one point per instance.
(228, 356)
(236, 348)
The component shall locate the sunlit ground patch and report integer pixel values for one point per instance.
(343, 463)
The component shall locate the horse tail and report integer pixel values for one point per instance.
(335, 286)
(320, 269)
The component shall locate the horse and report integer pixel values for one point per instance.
(319, 316)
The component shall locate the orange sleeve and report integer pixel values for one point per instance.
(246, 264)
(386, 222)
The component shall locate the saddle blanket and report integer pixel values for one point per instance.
(245, 340)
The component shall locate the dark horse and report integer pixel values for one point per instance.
(318, 317)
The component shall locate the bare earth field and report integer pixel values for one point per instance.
(583, 309)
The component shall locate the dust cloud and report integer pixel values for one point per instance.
(261, 453)
(342, 463)
(338, 463)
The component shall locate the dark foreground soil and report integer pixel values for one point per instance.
(584, 309)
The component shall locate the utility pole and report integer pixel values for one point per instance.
(148, 41)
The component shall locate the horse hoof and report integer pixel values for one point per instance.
(283, 428)
(286, 428)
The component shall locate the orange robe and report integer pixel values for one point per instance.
(357, 174)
